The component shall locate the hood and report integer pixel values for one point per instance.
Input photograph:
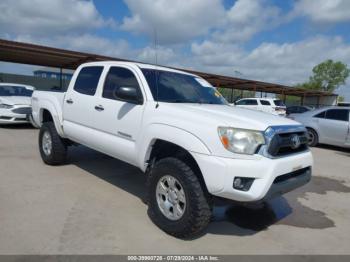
(15, 100)
(224, 115)
(203, 120)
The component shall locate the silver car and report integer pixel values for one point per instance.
(328, 125)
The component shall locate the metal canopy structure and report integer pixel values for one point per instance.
(23, 53)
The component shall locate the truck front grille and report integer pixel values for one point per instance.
(286, 141)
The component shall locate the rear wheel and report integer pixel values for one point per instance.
(313, 137)
(53, 149)
(176, 201)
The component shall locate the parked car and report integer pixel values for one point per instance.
(268, 105)
(181, 132)
(346, 104)
(298, 109)
(328, 125)
(15, 103)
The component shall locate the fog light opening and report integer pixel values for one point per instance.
(242, 183)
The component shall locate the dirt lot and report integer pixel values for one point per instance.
(93, 205)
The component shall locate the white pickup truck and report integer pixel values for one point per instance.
(181, 132)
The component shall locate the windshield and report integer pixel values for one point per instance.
(279, 103)
(15, 91)
(181, 88)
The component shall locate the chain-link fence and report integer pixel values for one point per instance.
(232, 95)
(40, 83)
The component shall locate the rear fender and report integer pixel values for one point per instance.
(56, 114)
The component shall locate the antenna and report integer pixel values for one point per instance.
(156, 64)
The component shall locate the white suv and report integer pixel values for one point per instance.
(269, 105)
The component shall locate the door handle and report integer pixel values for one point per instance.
(69, 101)
(99, 108)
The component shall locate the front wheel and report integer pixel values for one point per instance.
(177, 202)
(313, 137)
(53, 149)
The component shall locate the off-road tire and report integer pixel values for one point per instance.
(58, 153)
(198, 210)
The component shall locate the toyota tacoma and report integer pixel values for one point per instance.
(179, 130)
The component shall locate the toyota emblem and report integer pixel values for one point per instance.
(295, 141)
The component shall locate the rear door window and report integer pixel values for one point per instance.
(265, 102)
(338, 114)
(279, 103)
(251, 102)
(88, 79)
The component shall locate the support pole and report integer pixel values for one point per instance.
(61, 80)
(303, 99)
(232, 95)
(254, 90)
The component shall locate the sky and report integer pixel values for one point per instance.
(278, 41)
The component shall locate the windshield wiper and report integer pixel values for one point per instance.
(179, 101)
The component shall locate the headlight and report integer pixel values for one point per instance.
(4, 106)
(241, 141)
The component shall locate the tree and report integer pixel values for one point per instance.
(290, 100)
(328, 76)
(310, 85)
(341, 99)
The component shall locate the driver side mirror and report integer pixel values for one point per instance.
(128, 94)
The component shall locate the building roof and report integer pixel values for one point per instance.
(16, 52)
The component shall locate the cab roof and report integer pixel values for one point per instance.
(140, 65)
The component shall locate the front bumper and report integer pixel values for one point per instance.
(219, 174)
(279, 113)
(288, 182)
(7, 116)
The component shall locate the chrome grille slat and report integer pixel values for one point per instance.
(281, 141)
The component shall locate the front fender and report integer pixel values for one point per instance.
(171, 134)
